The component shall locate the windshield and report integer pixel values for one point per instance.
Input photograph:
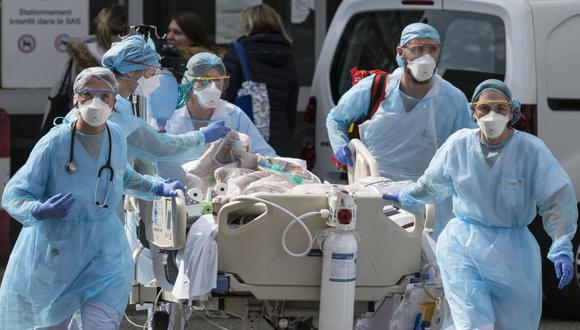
(473, 46)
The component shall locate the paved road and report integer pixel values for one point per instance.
(547, 323)
(200, 324)
(551, 324)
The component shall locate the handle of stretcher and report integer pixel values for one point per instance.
(364, 163)
(231, 207)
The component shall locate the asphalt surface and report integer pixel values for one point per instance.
(548, 323)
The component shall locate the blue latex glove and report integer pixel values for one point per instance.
(342, 155)
(564, 270)
(215, 131)
(56, 207)
(168, 188)
(392, 197)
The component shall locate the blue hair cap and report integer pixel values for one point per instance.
(414, 31)
(500, 87)
(130, 54)
(199, 63)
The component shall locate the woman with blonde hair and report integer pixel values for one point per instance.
(270, 58)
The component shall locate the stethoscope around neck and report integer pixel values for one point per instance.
(71, 166)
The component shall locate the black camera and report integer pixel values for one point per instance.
(170, 57)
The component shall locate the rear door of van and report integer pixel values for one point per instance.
(365, 34)
(556, 30)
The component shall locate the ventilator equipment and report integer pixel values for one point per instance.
(170, 216)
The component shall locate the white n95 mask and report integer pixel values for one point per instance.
(492, 124)
(95, 112)
(422, 67)
(209, 97)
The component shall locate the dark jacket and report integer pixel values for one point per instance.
(271, 61)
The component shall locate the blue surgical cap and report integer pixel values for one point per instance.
(501, 87)
(197, 66)
(414, 31)
(199, 63)
(130, 54)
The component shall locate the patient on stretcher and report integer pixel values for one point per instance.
(229, 162)
(224, 162)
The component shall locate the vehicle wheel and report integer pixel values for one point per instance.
(558, 303)
(160, 321)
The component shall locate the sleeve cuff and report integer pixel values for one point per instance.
(562, 246)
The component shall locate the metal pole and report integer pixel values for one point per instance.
(135, 9)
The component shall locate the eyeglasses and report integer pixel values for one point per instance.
(151, 70)
(484, 107)
(201, 83)
(105, 95)
(420, 49)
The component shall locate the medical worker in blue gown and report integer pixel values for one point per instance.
(72, 253)
(419, 112)
(134, 61)
(490, 262)
(201, 105)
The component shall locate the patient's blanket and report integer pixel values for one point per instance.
(228, 161)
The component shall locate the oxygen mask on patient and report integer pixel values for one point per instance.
(294, 173)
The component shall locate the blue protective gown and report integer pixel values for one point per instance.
(402, 142)
(145, 143)
(58, 265)
(490, 262)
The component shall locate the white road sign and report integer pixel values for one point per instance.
(34, 37)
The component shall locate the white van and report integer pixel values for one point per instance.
(532, 45)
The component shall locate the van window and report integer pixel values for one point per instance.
(562, 70)
(473, 46)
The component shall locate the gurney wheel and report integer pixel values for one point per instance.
(160, 321)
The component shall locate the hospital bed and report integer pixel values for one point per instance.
(265, 287)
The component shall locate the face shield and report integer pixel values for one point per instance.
(201, 83)
(208, 90)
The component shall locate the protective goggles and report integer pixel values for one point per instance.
(106, 95)
(150, 70)
(421, 49)
(201, 83)
(484, 107)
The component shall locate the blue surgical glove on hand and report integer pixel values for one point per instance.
(168, 188)
(392, 197)
(342, 155)
(564, 270)
(215, 131)
(56, 207)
